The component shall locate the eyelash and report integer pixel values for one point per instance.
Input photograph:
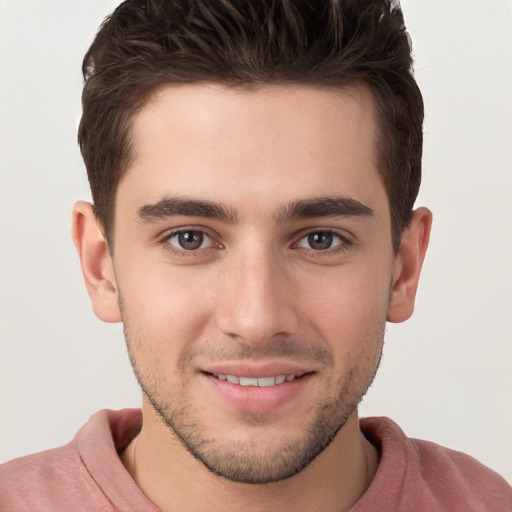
(343, 245)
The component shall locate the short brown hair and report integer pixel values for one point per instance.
(146, 44)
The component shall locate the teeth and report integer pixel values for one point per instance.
(233, 379)
(266, 381)
(246, 381)
(253, 381)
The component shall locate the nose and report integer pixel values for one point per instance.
(257, 304)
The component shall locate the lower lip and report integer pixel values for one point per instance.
(257, 399)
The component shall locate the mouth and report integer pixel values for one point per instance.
(257, 390)
(262, 382)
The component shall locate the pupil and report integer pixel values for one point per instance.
(320, 241)
(190, 240)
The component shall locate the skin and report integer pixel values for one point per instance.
(269, 288)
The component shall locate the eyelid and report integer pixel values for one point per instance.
(167, 233)
(342, 233)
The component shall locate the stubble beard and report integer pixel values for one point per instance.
(248, 462)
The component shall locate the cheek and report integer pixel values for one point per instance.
(349, 312)
(167, 308)
(349, 297)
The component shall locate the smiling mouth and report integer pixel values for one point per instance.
(256, 381)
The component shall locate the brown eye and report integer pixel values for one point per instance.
(321, 240)
(190, 240)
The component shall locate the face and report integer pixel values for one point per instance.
(253, 262)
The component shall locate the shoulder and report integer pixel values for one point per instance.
(85, 474)
(432, 475)
(51, 480)
(467, 480)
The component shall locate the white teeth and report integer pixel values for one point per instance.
(253, 381)
(266, 381)
(233, 379)
(247, 381)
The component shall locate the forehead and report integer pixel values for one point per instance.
(264, 146)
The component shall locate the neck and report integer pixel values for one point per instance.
(174, 480)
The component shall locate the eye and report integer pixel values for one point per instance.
(321, 240)
(190, 240)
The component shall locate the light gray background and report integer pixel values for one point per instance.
(446, 374)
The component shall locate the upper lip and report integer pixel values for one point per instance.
(255, 370)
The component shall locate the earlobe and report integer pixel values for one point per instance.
(407, 266)
(96, 261)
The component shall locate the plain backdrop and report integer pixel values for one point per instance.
(446, 374)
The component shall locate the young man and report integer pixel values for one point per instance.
(254, 167)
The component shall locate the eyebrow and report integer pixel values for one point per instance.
(301, 209)
(170, 207)
(324, 207)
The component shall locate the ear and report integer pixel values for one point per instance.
(96, 261)
(407, 266)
